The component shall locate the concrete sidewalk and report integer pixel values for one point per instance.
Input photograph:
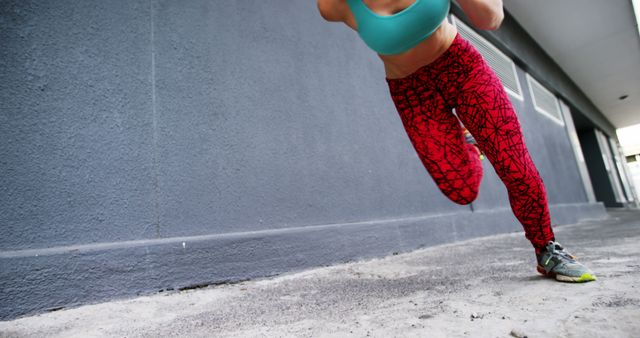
(485, 287)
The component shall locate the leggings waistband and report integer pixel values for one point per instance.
(439, 63)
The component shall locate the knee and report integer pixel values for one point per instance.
(464, 202)
(464, 197)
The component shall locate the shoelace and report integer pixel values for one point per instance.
(554, 248)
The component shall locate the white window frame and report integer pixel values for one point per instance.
(540, 110)
(457, 22)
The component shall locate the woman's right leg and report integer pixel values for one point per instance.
(437, 137)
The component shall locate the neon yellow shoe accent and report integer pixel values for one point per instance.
(586, 277)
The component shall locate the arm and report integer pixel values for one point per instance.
(484, 14)
(331, 10)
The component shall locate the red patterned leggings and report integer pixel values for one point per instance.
(460, 79)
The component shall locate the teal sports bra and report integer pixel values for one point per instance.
(397, 33)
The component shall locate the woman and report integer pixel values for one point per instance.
(431, 70)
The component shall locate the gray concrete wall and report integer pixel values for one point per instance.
(149, 145)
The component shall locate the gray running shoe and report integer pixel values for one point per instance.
(556, 263)
(471, 140)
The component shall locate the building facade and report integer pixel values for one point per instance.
(161, 145)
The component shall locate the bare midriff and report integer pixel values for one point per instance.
(402, 65)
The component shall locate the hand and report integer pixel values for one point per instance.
(484, 14)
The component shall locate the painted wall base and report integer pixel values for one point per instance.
(42, 280)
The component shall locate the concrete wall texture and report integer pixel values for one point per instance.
(150, 145)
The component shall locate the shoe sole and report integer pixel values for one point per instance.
(585, 277)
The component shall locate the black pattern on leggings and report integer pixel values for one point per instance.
(461, 79)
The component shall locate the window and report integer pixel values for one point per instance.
(544, 101)
(501, 64)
